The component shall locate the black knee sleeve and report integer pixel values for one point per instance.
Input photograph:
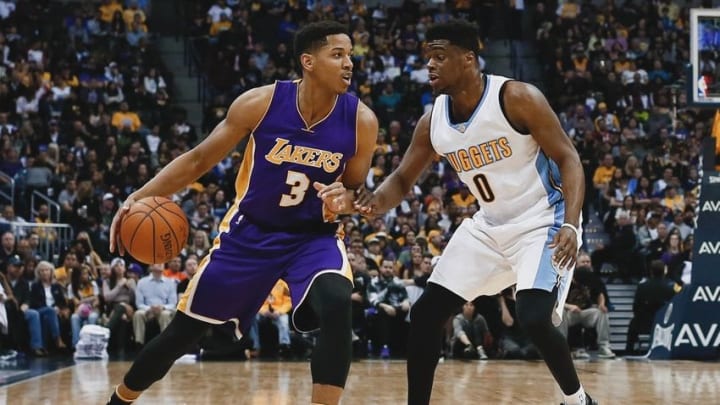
(329, 298)
(158, 355)
(534, 310)
(433, 308)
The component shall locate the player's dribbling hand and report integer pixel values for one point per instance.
(364, 201)
(115, 243)
(332, 195)
(566, 248)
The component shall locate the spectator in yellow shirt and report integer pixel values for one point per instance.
(622, 64)
(108, 9)
(381, 146)
(43, 217)
(568, 10)
(463, 198)
(435, 242)
(222, 25)
(275, 309)
(610, 119)
(604, 172)
(130, 12)
(126, 119)
(138, 22)
(64, 272)
(362, 47)
(673, 201)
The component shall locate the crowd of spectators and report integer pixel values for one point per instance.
(616, 75)
(87, 117)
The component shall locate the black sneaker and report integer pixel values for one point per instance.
(115, 400)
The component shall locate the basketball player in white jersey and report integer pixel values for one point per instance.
(507, 145)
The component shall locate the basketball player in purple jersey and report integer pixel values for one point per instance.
(507, 145)
(310, 146)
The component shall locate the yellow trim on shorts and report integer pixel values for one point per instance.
(186, 299)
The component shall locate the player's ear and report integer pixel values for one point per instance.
(307, 61)
(469, 57)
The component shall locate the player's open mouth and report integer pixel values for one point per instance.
(347, 78)
(432, 77)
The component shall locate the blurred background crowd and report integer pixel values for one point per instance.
(87, 115)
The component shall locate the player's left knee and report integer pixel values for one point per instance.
(337, 306)
(532, 322)
(534, 310)
(332, 298)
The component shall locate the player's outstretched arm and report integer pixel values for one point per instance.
(391, 192)
(528, 110)
(242, 117)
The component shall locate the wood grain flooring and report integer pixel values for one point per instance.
(379, 382)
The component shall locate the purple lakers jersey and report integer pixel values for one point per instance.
(284, 157)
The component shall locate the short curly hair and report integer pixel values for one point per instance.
(314, 35)
(460, 33)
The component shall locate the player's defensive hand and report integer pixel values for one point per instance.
(566, 248)
(364, 202)
(332, 195)
(115, 243)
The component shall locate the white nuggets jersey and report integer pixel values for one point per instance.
(505, 170)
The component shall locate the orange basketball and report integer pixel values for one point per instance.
(154, 230)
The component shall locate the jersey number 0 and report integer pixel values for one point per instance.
(483, 187)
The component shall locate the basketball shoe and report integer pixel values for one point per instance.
(588, 401)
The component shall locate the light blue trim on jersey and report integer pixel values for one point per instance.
(462, 126)
(555, 179)
(549, 173)
(564, 284)
(546, 277)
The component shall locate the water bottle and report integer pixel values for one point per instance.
(385, 352)
(369, 347)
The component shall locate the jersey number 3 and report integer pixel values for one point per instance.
(483, 188)
(299, 183)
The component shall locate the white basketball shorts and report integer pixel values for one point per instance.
(484, 259)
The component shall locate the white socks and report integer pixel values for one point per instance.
(577, 398)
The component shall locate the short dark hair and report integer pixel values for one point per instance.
(314, 35)
(657, 268)
(458, 32)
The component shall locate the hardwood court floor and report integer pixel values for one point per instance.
(378, 382)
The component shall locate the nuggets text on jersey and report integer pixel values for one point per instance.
(483, 154)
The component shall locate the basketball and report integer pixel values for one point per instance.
(154, 230)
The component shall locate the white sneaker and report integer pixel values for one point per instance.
(8, 355)
(481, 353)
(580, 354)
(604, 352)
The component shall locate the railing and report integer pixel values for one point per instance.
(50, 202)
(191, 56)
(194, 66)
(4, 192)
(54, 238)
